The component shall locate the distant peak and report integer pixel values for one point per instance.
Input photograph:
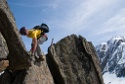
(117, 38)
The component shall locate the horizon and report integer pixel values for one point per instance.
(97, 21)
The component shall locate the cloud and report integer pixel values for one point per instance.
(53, 4)
(37, 4)
(92, 18)
(25, 5)
(78, 17)
(85, 17)
(115, 24)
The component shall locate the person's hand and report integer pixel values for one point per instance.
(31, 52)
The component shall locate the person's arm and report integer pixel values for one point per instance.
(34, 41)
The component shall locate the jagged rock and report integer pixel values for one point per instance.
(73, 61)
(18, 57)
(39, 74)
(36, 74)
(3, 48)
(3, 54)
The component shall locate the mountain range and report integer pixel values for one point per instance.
(111, 55)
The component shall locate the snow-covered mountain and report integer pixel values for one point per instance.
(112, 56)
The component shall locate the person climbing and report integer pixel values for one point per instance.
(39, 36)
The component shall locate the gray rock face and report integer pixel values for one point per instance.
(14, 42)
(73, 61)
(36, 74)
(3, 48)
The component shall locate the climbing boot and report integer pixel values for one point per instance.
(41, 58)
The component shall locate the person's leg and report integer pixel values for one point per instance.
(39, 53)
(41, 40)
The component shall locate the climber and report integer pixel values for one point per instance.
(38, 36)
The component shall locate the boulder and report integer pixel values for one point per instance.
(38, 73)
(73, 60)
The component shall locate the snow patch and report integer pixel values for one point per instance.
(112, 79)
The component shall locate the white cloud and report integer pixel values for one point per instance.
(78, 16)
(115, 24)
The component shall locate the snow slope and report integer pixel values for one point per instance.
(112, 79)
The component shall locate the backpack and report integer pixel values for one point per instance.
(44, 27)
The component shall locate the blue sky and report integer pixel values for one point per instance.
(96, 20)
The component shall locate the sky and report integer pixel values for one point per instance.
(95, 20)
